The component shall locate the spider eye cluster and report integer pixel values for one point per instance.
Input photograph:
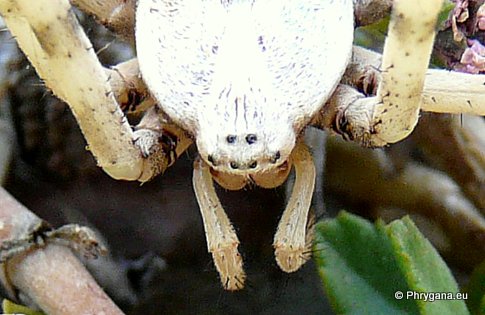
(249, 139)
(234, 165)
(245, 151)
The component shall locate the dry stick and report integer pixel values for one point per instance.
(456, 145)
(361, 177)
(393, 113)
(51, 276)
(116, 15)
(51, 37)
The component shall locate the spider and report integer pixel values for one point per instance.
(243, 80)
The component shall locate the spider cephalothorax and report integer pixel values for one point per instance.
(244, 77)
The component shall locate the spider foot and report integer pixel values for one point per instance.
(229, 264)
(151, 141)
(79, 238)
(156, 144)
(158, 151)
(294, 236)
(290, 258)
(369, 81)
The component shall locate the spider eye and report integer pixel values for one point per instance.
(276, 157)
(231, 138)
(251, 138)
(210, 158)
(253, 165)
(234, 165)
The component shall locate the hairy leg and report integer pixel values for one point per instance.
(160, 142)
(400, 91)
(292, 241)
(222, 240)
(49, 34)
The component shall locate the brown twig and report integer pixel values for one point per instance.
(456, 146)
(51, 276)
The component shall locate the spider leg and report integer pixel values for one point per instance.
(444, 91)
(349, 112)
(395, 108)
(222, 240)
(116, 15)
(292, 241)
(159, 141)
(128, 88)
(49, 34)
(392, 114)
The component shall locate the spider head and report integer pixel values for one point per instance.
(257, 148)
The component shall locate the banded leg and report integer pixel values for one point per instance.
(292, 241)
(222, 240)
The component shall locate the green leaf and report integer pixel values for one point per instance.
(372, 36)
(358, 268)
(423, 268)
(363, 266)
(10, 307)
(476, 290)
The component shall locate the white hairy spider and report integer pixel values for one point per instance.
(243, 79)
